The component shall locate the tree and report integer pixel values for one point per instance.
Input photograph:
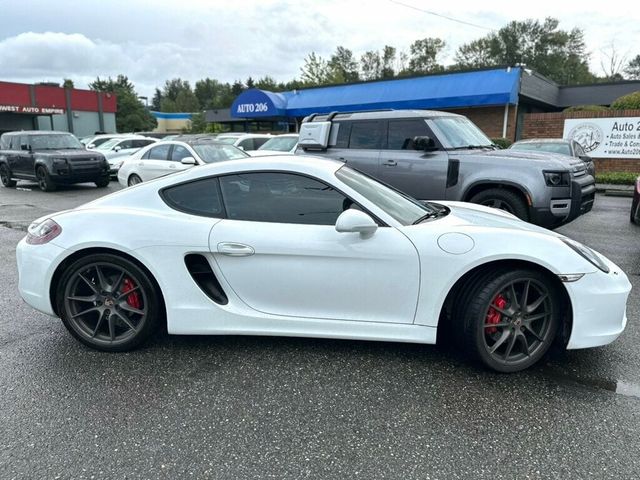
(558, 54)
(315, 70)
(67, 83)
(612, 63)
(250, 83)
(131, 114)
(387, 62)
(267, 83)
(633, 68)
(177, 96)
(210, 93)
(156, 101)
(371, 65)
(342, 66)
(424, 55)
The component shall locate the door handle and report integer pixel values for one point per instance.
(171, 165)
(391, 163)
(235, 249)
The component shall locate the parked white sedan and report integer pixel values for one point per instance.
(280, 246)
(173, 156)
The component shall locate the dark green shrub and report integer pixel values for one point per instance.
(502, 142)
(627, 102)
(617, 178)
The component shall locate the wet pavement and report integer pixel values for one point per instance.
(252, 407)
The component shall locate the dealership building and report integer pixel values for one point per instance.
(47, 106)
(496, 99)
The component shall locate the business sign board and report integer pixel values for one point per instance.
(31, 110)
(617, 137)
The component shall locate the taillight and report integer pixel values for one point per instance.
(43, 232)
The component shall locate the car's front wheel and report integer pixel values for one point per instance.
(108, 302)
(103, 182)
(134, 180)
(509, 319)
(504, 200)
(5, 176)
(44, 180)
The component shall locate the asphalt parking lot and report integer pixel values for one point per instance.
(253, 407)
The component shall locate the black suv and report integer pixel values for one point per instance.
(51, 158)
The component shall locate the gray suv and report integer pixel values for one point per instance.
(434, 155)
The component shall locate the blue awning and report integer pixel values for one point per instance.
(452, 90)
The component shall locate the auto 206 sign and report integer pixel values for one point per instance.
(617, 137)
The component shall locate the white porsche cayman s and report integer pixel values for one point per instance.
(304, 247)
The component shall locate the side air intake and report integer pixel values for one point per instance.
(202, 274)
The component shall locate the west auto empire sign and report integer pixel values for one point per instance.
(605, 137)
(31, 110)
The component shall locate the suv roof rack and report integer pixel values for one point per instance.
(332, 115)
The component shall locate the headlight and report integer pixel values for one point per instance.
(43, 232)
(117, 165)
(59, 161)
(586, 253)
(556, 179)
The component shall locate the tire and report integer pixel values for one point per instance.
(103, 183)
(5, 176)
(93, 302)
(44, 180)
(520, 337)
(504, 200)
(133, 180)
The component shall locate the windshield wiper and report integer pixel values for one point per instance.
(426, 217)
(471, 147)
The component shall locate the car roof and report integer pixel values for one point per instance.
(380, 115)
(36, 132)
(260, 135)
(543, 140)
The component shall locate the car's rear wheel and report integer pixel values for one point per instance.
(509, 319)
(108, 303)
(5, 176)
(504, 200)
(134, 180)
(44, 180)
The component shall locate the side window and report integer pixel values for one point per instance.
(246, 144)
(366, 135)
(281, 198)
(24, 142)
(146, 154)
(402, 132)
(161, 152)
(578, 149)
(258, 142)
(179, 152)
(344, 131)
(126, 144)
(140, 143)
(201, 197)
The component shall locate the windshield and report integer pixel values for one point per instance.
(550, 147)
(55, 142)
(401, 207)
(211, 153)
(280, 144)
(228, 140)
(458, 132)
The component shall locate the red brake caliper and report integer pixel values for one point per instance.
(493, 316)
(133, 299)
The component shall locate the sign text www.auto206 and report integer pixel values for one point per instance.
(253, 107)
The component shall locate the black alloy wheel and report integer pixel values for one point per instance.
(504, 200)
(108, 302)
(5, 176)
(512, 319)
(44, 180)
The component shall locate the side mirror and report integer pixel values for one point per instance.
(26, 148)
(356, 221)
(586, 158)
(117, 148)
(241, 148)
(188, 161)
(90, 146)
(424, 143)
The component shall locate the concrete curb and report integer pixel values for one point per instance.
(615, 190)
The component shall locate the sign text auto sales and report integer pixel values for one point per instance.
(31, 110)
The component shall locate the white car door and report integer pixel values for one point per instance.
(177, 154)
(280, 252)
(155, 162)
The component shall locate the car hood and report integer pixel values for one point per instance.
(471, 214)
(545, 160)
(267, 153)
(69, 153)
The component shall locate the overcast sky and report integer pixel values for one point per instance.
(151, 41)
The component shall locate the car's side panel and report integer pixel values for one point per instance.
(313, 271)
